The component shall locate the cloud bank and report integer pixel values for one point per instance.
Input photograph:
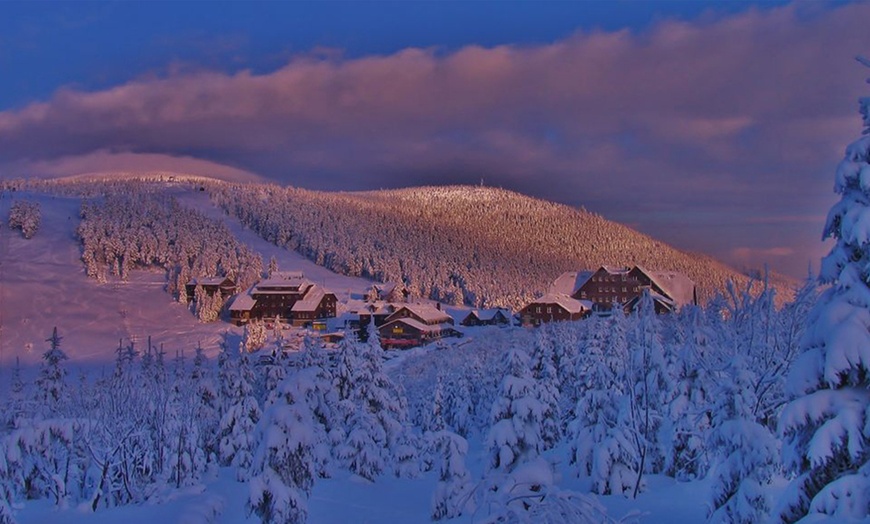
(721, 124)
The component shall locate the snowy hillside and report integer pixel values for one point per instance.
(43, 283)
(460, 244)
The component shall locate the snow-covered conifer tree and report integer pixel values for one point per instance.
(207, 414)
(826, 423)
(746, 452)
(547, 390)
(52, 376)
(375, 411)
(688, 411)
(240, 416)
(454, 481)
(459, 406)
(435, 422)
(284, 462)
(602, 445)
(273, 267)
(650, 390)
(255, 336)
(515, 435)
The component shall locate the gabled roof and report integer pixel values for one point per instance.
(311, 300)
(656, 297)
(425, 328)
(283, 280)
(243, 302)
(569, 282)
(426, 312)
(571, 305)
(488, 314)
(207, 281)
(678, 286)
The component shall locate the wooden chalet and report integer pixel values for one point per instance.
(211, 285)
(316, 304)
(554, 307)
(609, 288)
(487, 317)
(388, 292)
(277, 296)
(414, 325)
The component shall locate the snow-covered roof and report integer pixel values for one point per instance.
(380, 308)
(425, 328)
(569, 282)
(243, 302)
(571, 305)
(489, 314)
(206, 281)
(281, 280)
(678, 286)
(614, 270)
(311, 299)
(426, 312)
(657, 297)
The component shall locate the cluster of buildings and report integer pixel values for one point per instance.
(289, 297)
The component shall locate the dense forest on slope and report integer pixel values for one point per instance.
(460, 244)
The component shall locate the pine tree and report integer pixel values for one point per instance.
(602, 444)
(454, 480)
(746, 451)
(52, 376)
(826, 423)
(284, 461)
(515, 435)
(688, 411)
(547, 390)
(375, 412)
(650, 390)
(255, 336)
(207, 409)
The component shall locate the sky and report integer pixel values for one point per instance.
(714, 126)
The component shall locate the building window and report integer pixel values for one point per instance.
(549, 310)
(624, 289)
(538, 309)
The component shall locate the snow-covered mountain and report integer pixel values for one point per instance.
(480, 246)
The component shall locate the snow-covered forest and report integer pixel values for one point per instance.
(610, 400)
(474, 245)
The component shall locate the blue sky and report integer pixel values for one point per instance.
(714, 126)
